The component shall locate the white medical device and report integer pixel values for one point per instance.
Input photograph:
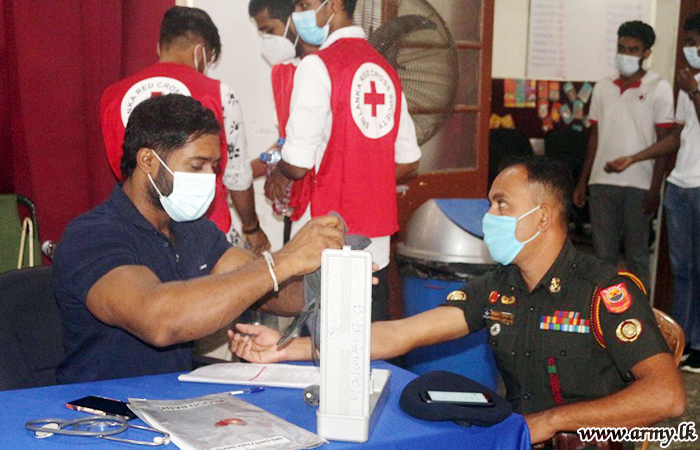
(350, 392)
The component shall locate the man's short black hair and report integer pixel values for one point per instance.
(181, 21)
(550, 174)
(164, 124)
(692, 23)
(276, 9)
(638, 30)
(349, 6)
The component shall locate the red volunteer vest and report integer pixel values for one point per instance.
(119, 99)
(282, 84)
(356, 176)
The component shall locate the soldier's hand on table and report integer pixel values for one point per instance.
(256, 344)
(303, 252)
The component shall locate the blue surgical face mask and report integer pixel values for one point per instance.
(499, 236)
(307, 26)
(191, 196)
(691, 55)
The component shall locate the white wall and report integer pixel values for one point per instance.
(510, 37)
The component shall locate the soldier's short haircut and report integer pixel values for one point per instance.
(551, 175)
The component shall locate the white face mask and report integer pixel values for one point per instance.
(628, 65)
(691, 55)
(204, 58)
(278, 49)
(191, 196)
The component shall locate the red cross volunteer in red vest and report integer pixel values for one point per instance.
(349, 134)
(283, 50)
(189, 41)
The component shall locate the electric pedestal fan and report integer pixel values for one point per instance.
(415, 40)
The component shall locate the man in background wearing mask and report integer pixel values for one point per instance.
(347, 145)
(628, 114)
(576, 342)
(283, 50)
(189, 42)
(682, 201)
(142, 275)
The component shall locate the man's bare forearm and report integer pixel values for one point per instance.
(591, 151)
(244, 202)
(666, 146)
(290, 171)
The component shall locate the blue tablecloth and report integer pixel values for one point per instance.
(394, 429)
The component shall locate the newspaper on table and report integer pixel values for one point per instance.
(222, 422)
(277, 375)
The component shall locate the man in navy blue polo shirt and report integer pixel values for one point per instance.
(142, 275)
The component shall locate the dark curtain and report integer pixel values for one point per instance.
(56, 58)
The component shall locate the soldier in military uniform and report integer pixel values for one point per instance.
(575, 341)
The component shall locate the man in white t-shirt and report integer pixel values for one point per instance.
(682, 202)
(629, 114)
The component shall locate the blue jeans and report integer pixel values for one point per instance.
(683, 222)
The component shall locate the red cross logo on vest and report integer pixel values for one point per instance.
(150, 87)
(373, 101)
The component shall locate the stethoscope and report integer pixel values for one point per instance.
(103, 427)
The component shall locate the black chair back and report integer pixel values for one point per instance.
(31, 332)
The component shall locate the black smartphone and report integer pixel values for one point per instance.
(457, 398)
(102, 406)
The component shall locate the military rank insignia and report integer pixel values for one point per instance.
(508, 300)
(616, 298)
(493, 297)
(629, 330)
(555, 285)
(568, 321)
(457, 295)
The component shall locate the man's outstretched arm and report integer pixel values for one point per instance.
(257, 343)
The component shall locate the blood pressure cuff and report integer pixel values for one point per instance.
(412, 403)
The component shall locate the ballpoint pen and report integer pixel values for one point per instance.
(247, 391)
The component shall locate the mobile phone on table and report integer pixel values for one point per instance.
(457, 398)
(102, 406)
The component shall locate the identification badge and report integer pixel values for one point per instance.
(505, 318)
